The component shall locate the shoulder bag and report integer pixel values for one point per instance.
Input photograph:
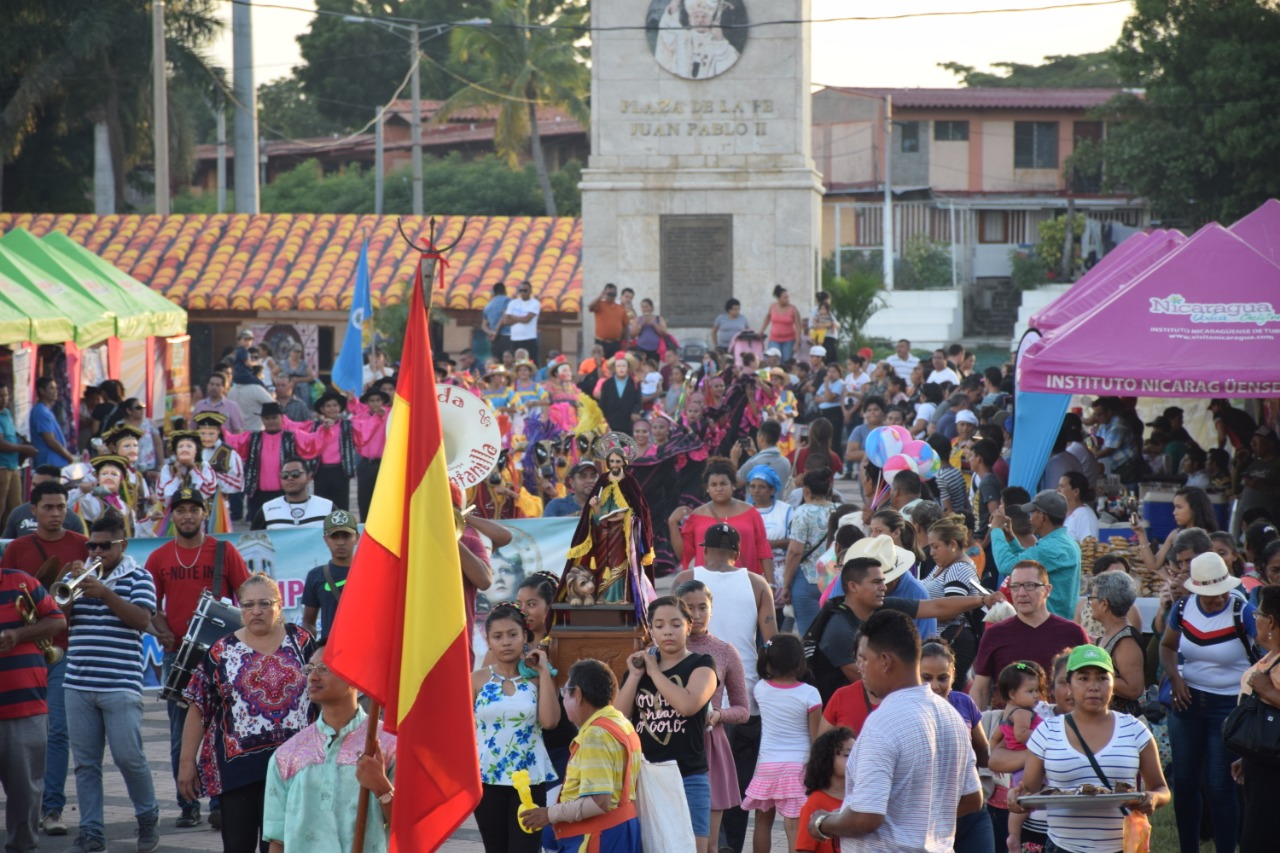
(1252, 729)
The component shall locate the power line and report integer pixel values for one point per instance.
(946, 13)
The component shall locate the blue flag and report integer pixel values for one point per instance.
(348, 370)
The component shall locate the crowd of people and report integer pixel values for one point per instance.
(894, 670)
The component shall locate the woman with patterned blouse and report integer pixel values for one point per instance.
(514, 704)
(247, 698)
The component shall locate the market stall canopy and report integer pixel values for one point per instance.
(1200, 323)
(167, 319)
(57, 313)
(134, 320)
(1125, 263)
(1261, 229)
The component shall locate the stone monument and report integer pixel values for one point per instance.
(701, 183)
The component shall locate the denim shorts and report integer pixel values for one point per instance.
(697, 790)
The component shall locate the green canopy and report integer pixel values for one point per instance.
(169, 319)
(57, 313)
(15, 322)
(131, 319)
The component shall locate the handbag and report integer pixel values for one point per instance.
(1252, 729)
(665, 825)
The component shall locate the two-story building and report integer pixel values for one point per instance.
(978, 169)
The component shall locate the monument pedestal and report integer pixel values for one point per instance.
(701, 185)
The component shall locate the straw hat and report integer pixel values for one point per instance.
(1210, 576)
(894, 560)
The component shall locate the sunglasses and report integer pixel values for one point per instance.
(290, 475)
(102, 546)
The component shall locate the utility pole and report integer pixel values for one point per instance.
(245, 126)
(887, 223)
(220, 113)
(415, 53)
(378, 165)
(160, 107)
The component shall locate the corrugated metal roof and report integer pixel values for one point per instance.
(993, 98)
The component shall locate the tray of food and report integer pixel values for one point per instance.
(1086, 796)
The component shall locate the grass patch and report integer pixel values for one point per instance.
(1164, 832)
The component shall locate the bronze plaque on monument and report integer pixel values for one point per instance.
(696, 263)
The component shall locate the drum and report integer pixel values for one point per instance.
(212, 621)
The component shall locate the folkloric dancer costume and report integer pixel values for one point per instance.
(227, 467)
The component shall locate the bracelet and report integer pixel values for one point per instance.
(817, 828)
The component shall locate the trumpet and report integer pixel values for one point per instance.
(27, 612)
(68, 592)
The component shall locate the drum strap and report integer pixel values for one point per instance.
(333, 587)
(219, 552)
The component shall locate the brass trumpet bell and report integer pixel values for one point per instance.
(68, 592)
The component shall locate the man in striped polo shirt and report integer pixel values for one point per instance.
(23, 709)
(103, 686)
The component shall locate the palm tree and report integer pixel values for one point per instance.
(93, 57)
(527, 57)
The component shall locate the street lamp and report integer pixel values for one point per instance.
(415, 39)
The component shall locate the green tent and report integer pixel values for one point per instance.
(169, 319)
(15, 321)
(131, 319)
(57, 313)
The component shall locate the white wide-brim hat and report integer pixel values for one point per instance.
(1210, 576)
(893, 560)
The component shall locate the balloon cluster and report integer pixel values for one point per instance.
(892, 449)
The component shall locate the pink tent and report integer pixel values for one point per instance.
(1201, 322)
(1114, 272)
(1261, 229)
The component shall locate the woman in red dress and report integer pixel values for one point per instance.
(688, 526)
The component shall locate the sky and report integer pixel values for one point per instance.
(897, 53)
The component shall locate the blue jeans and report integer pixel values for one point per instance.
(974, 833)
(697, 790)
(804, 602)
(96, 720)
(177, 719)
(56, 752)
(787, 348)
(1201, 755)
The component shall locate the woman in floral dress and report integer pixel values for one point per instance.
(515, 700)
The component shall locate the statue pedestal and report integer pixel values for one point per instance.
(606, 632)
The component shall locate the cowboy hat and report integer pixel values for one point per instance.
(893, 560)
(1210, 576)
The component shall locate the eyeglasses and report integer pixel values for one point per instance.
(291, 475)
(102, 546)
(318, 668)
(567, 691)
(1030, 586)
(263, 604)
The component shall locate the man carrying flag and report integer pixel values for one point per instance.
(348, 370)
(400, 632)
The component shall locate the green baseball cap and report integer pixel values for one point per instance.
(340, 519)
(1082, 656)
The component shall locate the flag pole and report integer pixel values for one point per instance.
(370, 747)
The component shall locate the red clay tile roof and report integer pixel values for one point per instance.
(992, 98)
(306, 262)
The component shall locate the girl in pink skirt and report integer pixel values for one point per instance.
(733, 711)
(790, 712)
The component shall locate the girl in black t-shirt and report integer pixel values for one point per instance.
(666, 695)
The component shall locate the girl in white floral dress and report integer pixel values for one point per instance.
(515, 700)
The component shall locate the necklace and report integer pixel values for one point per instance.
(177, 553)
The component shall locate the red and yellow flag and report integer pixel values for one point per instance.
(400, 632)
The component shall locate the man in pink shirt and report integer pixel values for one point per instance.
(265, 451)
(369, 429)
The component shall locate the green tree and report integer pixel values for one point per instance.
(350, 69)
(528, 57)
(1088, 70)
(285, 108)
(1203, 142)
(89, 60)
(856, 294)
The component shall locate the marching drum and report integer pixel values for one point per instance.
(212, 621)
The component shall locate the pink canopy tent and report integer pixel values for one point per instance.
(1261, 229)
(1200, 323)
(1125, 263)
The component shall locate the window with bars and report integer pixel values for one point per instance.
(951, 131)
(909, 133)
(1035, 145)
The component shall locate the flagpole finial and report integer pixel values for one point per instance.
(430, 251)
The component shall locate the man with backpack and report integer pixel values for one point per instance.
(830, 642)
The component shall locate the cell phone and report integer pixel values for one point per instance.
(652, 650)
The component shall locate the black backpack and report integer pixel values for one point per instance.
(823, 674)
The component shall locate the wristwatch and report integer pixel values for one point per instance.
(385, 799)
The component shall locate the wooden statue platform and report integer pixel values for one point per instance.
(606, 632)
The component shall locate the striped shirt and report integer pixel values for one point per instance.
(1212, 655)
(912, 763)
(103, 653)
(953, 580)
(281, 512)
(1090, 830)
(23, 674)
(596, 764)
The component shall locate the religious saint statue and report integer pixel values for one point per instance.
(694, 46)
(613, 543)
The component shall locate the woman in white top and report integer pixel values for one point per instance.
(1059, 757)
(763, 485)
(1081, 522)
(1073, 428)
